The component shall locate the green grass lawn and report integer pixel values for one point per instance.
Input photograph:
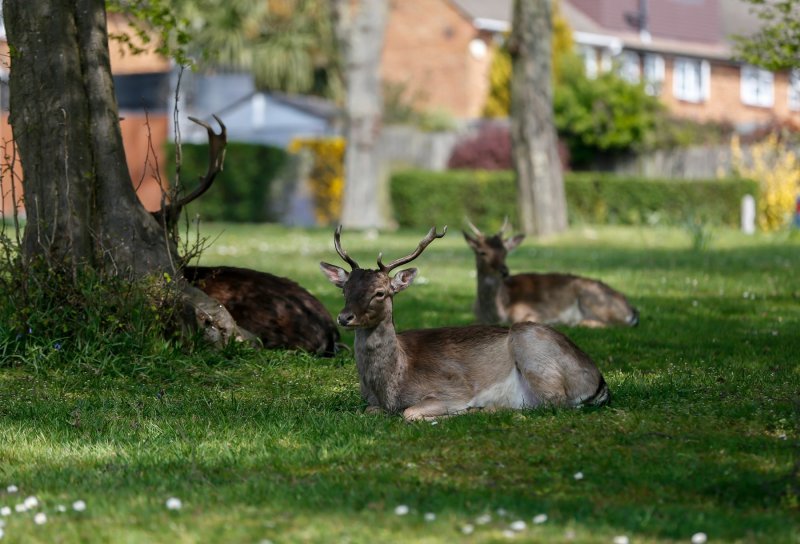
(702, 434)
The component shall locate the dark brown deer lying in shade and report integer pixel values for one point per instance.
(438, 372)
(544, 298)
(277, 310)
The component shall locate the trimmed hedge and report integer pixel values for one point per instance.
(422, 197)
(241, 192)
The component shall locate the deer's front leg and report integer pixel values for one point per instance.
(432, 409)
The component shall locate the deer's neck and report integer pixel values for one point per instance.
(490, 306)
(380, 364)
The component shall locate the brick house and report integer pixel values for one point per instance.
(142, 85)
(682, 50)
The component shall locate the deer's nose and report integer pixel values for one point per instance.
(345, 318)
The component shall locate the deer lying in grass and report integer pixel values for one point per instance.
(277, 310)
(543, 298)
(429, 373)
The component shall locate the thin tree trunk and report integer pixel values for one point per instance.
(360, 29)
(540, 184)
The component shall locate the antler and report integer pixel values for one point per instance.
(474, 229)
(337, 242)
(216, 156)
(407, 259)
(504, 227)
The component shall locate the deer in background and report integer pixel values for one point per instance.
(281, 313)
(278, 311)
(544, 298)
(429, 373)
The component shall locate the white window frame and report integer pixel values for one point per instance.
(691, 79)
(654, 71)
(794, 90)
(757, 86)
(629, 67)
(589, 56)
(606, 62)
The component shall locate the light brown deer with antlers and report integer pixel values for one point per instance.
(550, 298)
(429, 373)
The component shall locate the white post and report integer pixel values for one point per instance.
(748, 214)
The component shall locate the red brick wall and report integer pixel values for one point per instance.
(725, 103)
(427, 50)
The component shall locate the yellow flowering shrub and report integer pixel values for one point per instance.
(327, 175)
(777, 171)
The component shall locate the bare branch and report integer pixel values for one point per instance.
(430, 237)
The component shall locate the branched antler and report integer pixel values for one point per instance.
(430, 237)
(169, 213)
(337, 242)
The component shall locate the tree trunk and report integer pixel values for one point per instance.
(540, 183)
(82, 211)
(360, 29)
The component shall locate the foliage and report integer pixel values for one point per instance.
(776, 44)
(776, 168)
(700, 437)
(499, 99)
(604, 115)
(488, 149)
(154, 17)
(594, 198)
(241, 191)
(327, 175)
(287, 45)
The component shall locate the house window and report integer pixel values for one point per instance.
(691, 80)
(629, 67)
(605, 61)
(757, 87)
(142, 91)
(653, 74)
(589, 56)
(794, 90)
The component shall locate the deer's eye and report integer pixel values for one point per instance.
(379, 294)
(482, 253)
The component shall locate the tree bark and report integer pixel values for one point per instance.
(540, 183)
(82, 210)
(360, 27)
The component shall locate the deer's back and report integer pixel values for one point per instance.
(564, 298)
(279, 311)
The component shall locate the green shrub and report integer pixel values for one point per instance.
(241, 191)
(421, 198)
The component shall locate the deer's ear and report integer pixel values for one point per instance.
(336, 275)
(403, 279)
(513, 242)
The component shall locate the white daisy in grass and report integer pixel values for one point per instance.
(40, 518)
(578, 475)
(5, 511)
(79, 505)
(31, 502)
(61, 508)
(20, 507)
(508, 533)
(429, 516)
(483, 519)
(2, 534)
(12, 488)
(699, 538)
(518, 525)
(621, 539)
(468, 529)
(502, 512)
(174, 503)
(538, 519)
(401, 509)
